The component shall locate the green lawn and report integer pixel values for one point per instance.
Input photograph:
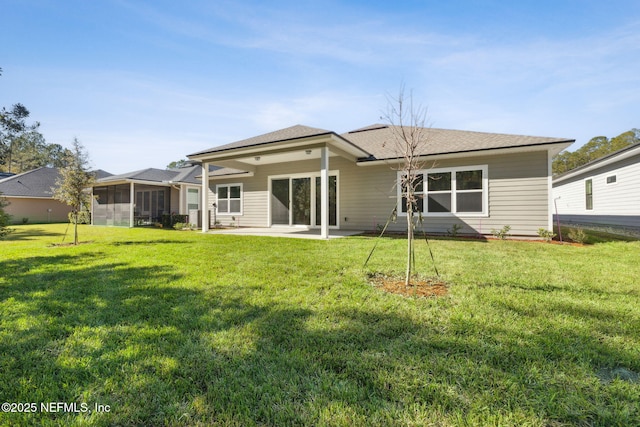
(180, 328)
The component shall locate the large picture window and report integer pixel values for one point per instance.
(443, 192)
(229, 199)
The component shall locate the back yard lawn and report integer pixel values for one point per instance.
(178, 328)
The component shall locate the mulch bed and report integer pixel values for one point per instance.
(422, 288)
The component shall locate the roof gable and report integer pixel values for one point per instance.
(290, 133)
(153, 175)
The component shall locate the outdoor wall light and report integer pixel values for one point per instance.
(257, 158)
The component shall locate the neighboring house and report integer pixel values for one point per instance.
(142, 197)
(315, 178)
(605, 191)
(30, 195)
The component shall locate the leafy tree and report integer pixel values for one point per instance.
(13, 126)
(75, 178)
(409, 137)
(596, 148)
(56, 155)
(4, 218)
(22, 147)
(177, 164)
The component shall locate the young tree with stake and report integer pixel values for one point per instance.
(409, 138)
(74, 180)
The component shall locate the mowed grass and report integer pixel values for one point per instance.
(181, 328)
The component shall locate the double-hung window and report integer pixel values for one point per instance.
(449, 191)
(229, 199)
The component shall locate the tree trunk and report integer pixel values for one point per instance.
(407, 279)
(75, 228)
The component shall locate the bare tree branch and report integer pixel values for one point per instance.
(409, 137)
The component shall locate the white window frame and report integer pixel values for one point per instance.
(586, 195)
(453, 191)
(198, 198)
(218, 186)
(312, 176)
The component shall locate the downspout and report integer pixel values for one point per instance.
(555, 203)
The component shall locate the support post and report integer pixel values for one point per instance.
(324, 192)
(132, 204)
(204, 209)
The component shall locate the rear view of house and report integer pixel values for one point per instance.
(314, 178)
(604, 192)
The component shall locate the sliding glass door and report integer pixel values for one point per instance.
(296, 201)
(301, 201)
(280, 201)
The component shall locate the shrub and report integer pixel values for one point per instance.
(4, 218)
(577, 235)
(547, 235)
(453, 231)
(25, 220)
(178, 225)
(169, 220)
(501, 234)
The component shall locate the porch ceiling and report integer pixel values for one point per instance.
(295, 155)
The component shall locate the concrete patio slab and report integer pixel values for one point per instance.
(291, 232)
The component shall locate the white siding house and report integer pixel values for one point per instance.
(314, 178)
(605, 191)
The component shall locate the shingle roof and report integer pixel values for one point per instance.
(101, 173)
(186, 174)
(34, 183)
(293, 132)
(379, 141)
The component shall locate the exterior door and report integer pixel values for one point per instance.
(280, 201)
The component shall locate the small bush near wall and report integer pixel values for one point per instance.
(547, 235)
(503, 233)
(577, 235)
(169, 220)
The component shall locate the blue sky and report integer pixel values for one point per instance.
(142, 83)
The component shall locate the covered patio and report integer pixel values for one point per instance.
(305, 200)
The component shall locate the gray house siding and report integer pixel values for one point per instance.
(614, 203)
(517, 194)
